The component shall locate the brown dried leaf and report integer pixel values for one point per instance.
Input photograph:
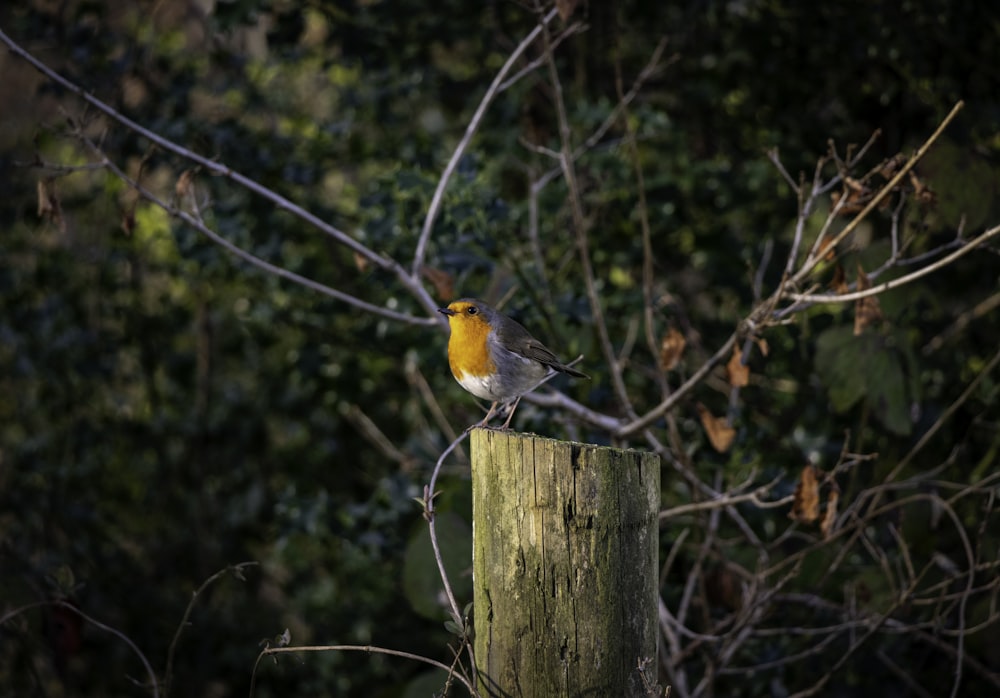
(830, 515)
(566, 8)
(805, 505)
(739, 373)
(442, 281)
(723, 587)
(128, 221)
(48, 201)
(839, 281)
(923, 193)
(671, 349)
(45, 205)
(184, 188)
(854, 185)
(889, 168)
(867, 311)
(762, 345)
(48, 204)
(719, 433)
(360, 263)
(857, 196)
(827, 250)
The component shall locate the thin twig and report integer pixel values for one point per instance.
(773, 154)
(981, 309)
(890, 186)
(647, 245)
(199, 225)
(411, 283)
(628, 428)
(416, 378)
(369, 649)
(153, 684)
(168, 674)
(874, 628)
(806, 204)
(536, 63)
(470, 130)
(368, 429)
(901, 281)
(580, 226)
(729, 500)
(429, 514)
(212, 166)
(942, 419)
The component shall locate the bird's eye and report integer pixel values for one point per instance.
(472, 310)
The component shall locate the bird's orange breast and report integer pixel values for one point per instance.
(468, 351)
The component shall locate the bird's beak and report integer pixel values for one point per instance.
(446, 311)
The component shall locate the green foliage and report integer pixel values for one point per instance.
(869, 367)
(421, 579)
(167, 411)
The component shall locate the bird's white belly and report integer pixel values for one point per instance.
(523, 375)
(484, 387)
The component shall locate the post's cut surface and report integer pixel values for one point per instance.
(565, 541)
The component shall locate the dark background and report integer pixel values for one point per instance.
(166, 411)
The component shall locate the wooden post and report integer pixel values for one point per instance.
(565, 540)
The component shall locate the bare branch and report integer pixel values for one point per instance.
(494, 89)
(368, 649)
(429, 515)
(153, 684)
(728, 500)
(901, 281)
(211, 166)
(236, 570)
(668, 403)
(580, 226)
(981, 309)
(196, 222)
(813, 260)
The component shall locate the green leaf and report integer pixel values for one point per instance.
(868, 366)
(839, 354)
(887, 390)
(421, 579)
(429, 683)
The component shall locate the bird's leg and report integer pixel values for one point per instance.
(510, 415)
(486, 419)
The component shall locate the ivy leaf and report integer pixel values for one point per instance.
(839, 356)
(421, 578)
(869, 366)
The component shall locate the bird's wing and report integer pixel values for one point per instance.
(527, 346)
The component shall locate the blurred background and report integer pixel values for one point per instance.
(167, 411)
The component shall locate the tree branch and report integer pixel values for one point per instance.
(470, 130)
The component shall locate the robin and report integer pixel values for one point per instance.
(494, 357)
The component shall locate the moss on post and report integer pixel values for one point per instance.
(565, 566)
